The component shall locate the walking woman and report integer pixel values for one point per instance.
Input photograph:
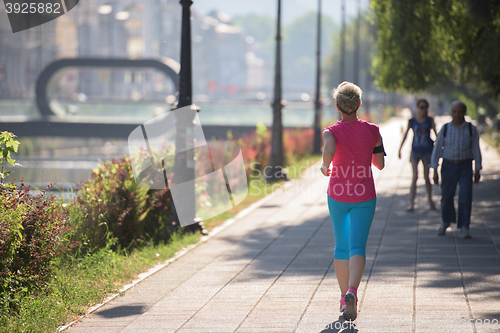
(421, 149)
(351, 145)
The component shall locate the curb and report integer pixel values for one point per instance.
(178, 254)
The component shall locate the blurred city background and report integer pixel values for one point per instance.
(233, 57)
(72, 90)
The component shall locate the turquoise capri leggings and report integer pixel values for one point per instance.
(351, 225)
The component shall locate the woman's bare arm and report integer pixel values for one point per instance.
(404, 139)
(328, 151)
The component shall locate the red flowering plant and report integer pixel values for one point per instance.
(256, 149)
(32, 235)
(297, 143)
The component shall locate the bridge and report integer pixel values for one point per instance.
(52, 118)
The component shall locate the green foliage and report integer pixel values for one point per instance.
(260, 27)
(7, 145)
(426, 44)
(261, 130)
(298, 44)
(417, 42)
(471, 105)
(78, 283)
(299, 49)
(111, 210)
(366, 54)
(32, 236)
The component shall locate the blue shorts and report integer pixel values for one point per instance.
(351, 225)
(416, 157)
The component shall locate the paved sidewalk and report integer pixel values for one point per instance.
(272, 271)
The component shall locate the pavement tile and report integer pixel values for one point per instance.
(448, 317)
(294, 289)
(480, 261)
(205, 330)
(168, 311)
(237, 286)
(171, 322)
(465, 250)
(442, 293)
(432, 240)
(265, 320)
(483, 271)
(81, 328)
(385, 281)
(385, 307)
(437, 250)
(186, 304)
(441, 307)
(437, 283)
(382, 322)
(204, 323)
(483, 299)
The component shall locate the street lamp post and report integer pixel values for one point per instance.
(185, 75)
(184, 159)
(342, 49)
(356, 42)
(317, 102)
(342, 45)
(276, 171)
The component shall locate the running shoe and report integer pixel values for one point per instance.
(350, 312)
(342, 303)
(442, 229)
(465, 233)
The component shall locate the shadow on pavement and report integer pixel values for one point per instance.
(122, 311)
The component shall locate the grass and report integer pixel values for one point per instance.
(78, 284)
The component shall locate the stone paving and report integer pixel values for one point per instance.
(272, 270)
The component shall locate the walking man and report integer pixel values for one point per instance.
(458, 144)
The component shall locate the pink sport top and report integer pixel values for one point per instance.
(352, 179)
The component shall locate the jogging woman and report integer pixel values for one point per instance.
(421, 149)
(351, 145)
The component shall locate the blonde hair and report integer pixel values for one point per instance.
(348, 97)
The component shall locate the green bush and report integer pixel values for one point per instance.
(111, 210)
(32, 236)
(7, 145)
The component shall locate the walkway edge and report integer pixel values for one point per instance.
(142, 276)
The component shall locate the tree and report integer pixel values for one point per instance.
(299, 45)
(366, 54)
(299, 50)
(261, 27)
(440, 46)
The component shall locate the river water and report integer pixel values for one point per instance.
(66, 161)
